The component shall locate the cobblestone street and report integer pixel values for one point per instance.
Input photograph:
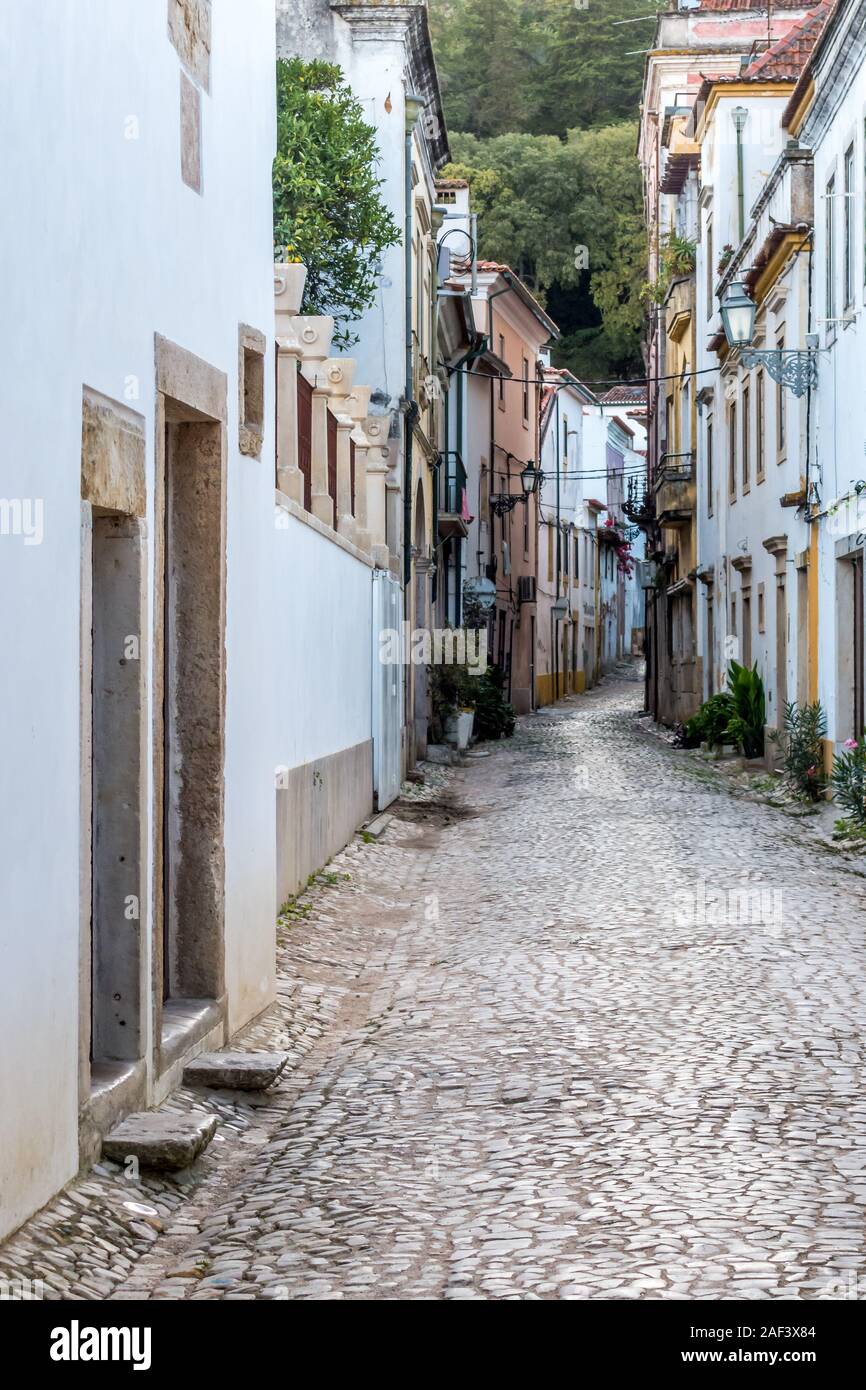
(607, 1045)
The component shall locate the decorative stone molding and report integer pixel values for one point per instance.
(312, 333)
(290, 279)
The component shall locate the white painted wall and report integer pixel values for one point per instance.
(322, 633)
(101, 247)
(839, 440)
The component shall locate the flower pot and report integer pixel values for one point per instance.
(458, 728)
(289, 280)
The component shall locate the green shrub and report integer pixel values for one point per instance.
(710, 723)
(801, 742)
(746, 724)
(494, 716)
(849, 780)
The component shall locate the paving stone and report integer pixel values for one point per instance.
(159, 1139)
(236, 1071)
(523, 1060)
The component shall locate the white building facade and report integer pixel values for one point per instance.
(137, 548)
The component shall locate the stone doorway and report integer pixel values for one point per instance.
(189, 697)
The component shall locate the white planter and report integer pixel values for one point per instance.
(289, 281)
(458, 730)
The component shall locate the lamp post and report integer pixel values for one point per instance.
(792, 367)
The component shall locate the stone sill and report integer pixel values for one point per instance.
(184, 1023)
(288, 504)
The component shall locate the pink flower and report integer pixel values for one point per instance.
(850, 743)
(811, 771)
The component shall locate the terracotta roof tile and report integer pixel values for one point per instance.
(785, 59)
(624, 395)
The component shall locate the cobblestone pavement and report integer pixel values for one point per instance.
(584, 1026)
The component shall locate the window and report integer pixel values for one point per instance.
(780, 404)
(849, 226)
(502, 378)
(525, 375)
(576, 558)
(251, 385)
(709, 465)
(732, 451)
(549, 553)
(761, 608)
(759, 426)
(747, 420)
(830, 231)
(710, 268)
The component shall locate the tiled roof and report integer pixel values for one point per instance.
(498, 268)
(785, 59)
(624, 395)
(732, 6)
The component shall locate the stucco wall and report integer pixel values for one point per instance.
(107, 247)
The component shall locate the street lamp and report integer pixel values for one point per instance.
(791, 367)
(530, 481)
(738, 315)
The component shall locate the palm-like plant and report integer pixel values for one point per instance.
(801, 740)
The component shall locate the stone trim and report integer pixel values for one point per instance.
(293, 508)
(252, 349)
(189, 31)
(190, 380)
(113, 452)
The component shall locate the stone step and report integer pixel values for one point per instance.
(235, 1071)
(160, 1140)
(379, 824)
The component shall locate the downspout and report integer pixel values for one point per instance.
(739, 116)
(414, 105)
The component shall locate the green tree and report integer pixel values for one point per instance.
(545, 66)
(540, 198)
(328, 208)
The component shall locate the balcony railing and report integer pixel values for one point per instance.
(452, 502)
(674, 489)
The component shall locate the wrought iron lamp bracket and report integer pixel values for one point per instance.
(791, 367)
(502, 503)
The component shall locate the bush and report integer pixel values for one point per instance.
(494, 716)
(849, 780)
(801, 742)
(746, 724)
(710, 724)
(453, 687)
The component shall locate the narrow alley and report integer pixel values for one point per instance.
(526, 1068)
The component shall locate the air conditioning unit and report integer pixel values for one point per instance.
(526, 588)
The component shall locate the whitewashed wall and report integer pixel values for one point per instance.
(322, 643)
(101, 246)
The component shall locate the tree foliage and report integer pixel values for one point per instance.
(540, 66)
(539, 198)
(328, 208)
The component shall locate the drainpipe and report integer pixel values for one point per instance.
(739, 116)
(414, 107)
